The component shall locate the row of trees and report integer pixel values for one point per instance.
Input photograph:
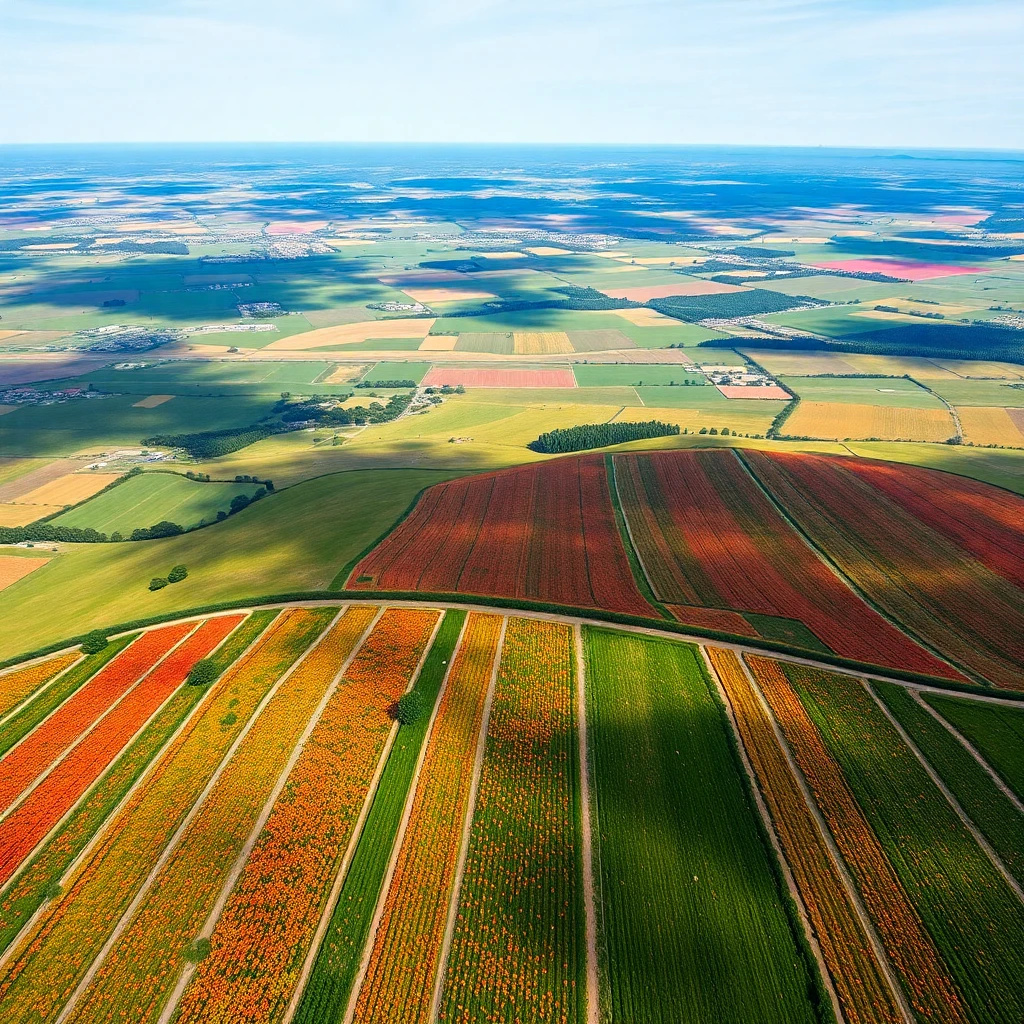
(597, 435)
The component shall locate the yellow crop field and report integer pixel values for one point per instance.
(342, 374)
(439, 343)
(152, 401)
(978, 368)
(860, 422)
(641, 316)
(14, 568)
(541, 343)
(983, 425)
(897, 366)
(22, 515)
(350, 334)
(801, 364)
(549, 250)
(69, 489)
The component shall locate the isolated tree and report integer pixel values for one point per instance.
(94, 642)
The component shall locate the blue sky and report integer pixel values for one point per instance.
(902, 73)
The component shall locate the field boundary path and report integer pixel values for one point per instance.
(172, 843)
(970, 748)
(410, 799)
(467, 828)
(16, 943)
(243, 856)
(773, 839)
(877, 946)
(593, 988)
(997, 861)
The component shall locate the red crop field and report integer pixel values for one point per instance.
(439, 376)
(544, 532)
(918, 576)
(708, 536)
(908, 270)
(27, 761)
(985, 521)
(61, 789)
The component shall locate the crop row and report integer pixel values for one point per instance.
(404, 959)
(519, 533)
(736, 551)
(917, 576)
(517, 951)
(65, 784)
(907, 942)
(261, 940)
(860, 984)
(20, 683)
(991, 811)
(60, 948)
(973, 915)
(692, 914)
(152, 950)
(23, 720)
(27, 761)
(997, 733)
(983, 520)
(333, 971)
(43, 872)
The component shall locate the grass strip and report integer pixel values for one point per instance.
(330, 982)
(39, 879)
(21, 724)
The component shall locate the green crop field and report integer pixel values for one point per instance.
(892, 391)
(684, 860)
(617, 374)
(399, 370)
(980, 393)
(150, 498)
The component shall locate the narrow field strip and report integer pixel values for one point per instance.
(60, 949)
(909, 946)
(693, 912)
(404, 959)
(35, 710)
(17, 685)
(62, 787)
(858, 978)
(997, 733)
(68, 724)
(260, 943)
(995, 816)
(140, 968)
(518, 949)
(41, 875)
(336, 951)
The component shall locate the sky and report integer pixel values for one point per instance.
(880, 73)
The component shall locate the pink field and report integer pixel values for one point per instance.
(739, 391)
(907, 269)
(295, 227)
(438, 376)
(663, 291)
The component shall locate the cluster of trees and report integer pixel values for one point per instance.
(43, 532)
(692, 308)
(318, 410)
(398, 383)
(211, 444)
(597, 435)
(165, 528)
(176, 575)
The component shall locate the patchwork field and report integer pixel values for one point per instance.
(869, 422)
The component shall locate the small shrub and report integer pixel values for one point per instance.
(198, 949)
(203, 672)
(94, 642)
(157, 583)
(177, 574)
(409, 708)
(115, 537)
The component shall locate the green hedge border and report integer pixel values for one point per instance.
(517, 604)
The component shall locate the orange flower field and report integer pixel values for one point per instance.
(19, 683)
(405, 955)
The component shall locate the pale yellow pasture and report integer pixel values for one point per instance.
(898, 366)
(951, 309)
(511, 255)
(351, 334)
(802, 364)
(340, 243)
(22, 515)
(839, 421)
(343, 374)
(670, 261)
(439, 343)
(4, 335)
(14, 568)
(612, 254)
(68, 490)
(549, 250)
(1018, 257)
(446, 294)
(538, 343)
(152, 401)
(48, 246)
(982, 425)
(982, 369)
(641, 316)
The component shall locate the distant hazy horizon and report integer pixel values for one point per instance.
(865, 73)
